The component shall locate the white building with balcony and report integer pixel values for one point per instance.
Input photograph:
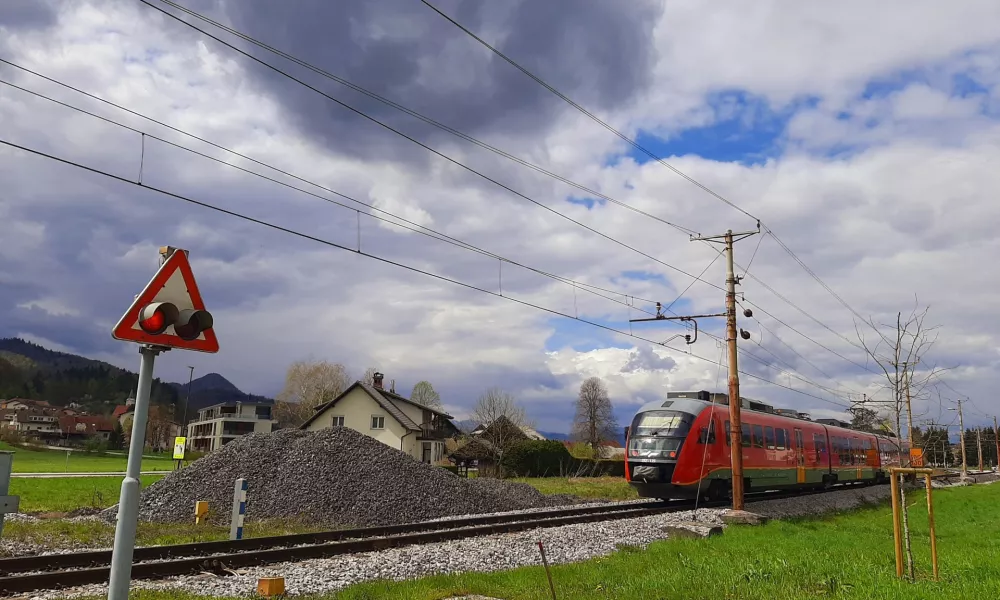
(220, 424)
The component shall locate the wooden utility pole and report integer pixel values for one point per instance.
(996, 438)
(961, 425)
(735, 401)
(735, 428)
(979, 446)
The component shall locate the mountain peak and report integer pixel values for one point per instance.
(212, 381)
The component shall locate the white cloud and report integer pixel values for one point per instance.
(910, 211)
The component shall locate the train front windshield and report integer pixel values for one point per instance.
(658, 433)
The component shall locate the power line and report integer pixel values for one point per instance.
(425, 146)
(416, 228)
(637, 146)
(366, 254)
(421, 117)
(593, 117)
(757, 306)
(449, 129)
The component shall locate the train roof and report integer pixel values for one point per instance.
(695, 402)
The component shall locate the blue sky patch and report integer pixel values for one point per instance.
(588, 202)
(583, 337)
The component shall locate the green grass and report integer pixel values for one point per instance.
(65, 494)
(56, 461)
(840, 556)
(59, 533)
(608, 488)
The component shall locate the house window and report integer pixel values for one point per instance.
(378, 422)
(338, 421)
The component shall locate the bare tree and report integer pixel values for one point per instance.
(308, 385)
(503, 419)
(899, 350)
(595, 419)
(369, 375)
(424, 393)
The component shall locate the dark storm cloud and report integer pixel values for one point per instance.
(599, 52)
(26, 14)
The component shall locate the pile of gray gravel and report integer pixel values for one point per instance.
(332, 477)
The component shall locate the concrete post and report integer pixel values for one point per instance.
(239, 509)
(8, 504)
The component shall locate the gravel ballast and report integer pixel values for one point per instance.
(568, 543)
(333, 477)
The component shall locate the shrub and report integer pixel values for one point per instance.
(538, 458)
(96, 445)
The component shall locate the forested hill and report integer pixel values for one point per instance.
(28, 370)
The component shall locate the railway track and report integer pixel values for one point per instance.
(57, 571)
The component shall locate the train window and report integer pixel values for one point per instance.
(729, 434)
(662, 423)
(779, 439)
(758, 436)
(745, 429)
(707, 432)
(769, 438)
(819, 441)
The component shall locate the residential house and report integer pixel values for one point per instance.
(503, 424)
(75, 429)
(388, 417)
(222, 423)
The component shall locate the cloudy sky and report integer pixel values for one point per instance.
(866, 137)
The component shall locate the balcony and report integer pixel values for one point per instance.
(435, 431)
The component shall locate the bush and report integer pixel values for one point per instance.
(538, 458)
(96, 445)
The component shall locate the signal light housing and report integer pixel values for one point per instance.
(188, 324)
(156, 317)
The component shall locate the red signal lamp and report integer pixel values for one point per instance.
(156, 317)
(188, 324)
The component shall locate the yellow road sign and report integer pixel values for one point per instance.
(179, 448)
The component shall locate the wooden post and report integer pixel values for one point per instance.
(896, 525)
(930, 523)
(545, 562)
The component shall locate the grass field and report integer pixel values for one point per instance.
(66, 494)
(841, 556)
(57, 461)
(602, 488)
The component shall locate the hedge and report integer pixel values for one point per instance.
(550, 458)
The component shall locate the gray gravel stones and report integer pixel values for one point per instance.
(333, 477)
(813, 504)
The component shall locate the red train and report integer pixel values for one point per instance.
(680, 448)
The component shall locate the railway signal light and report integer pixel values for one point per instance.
(188, 324)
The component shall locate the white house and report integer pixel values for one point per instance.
(222, 423)
(389, 418)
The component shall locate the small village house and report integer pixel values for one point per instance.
(388, 417)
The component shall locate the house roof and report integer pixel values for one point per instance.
(528, 432)
(384, 398)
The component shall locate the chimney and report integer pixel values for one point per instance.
(392, 386)
(377, 380)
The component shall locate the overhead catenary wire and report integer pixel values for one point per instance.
(462, 135)
(411, 226)
(367, 254)
(640, 148)
(413, 140)
(419, 116)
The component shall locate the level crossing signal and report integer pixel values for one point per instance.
(169, 313)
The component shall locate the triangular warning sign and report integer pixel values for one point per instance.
(174, 282)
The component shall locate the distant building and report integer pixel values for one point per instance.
(222, 423)
(392, 419)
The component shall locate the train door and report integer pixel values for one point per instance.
(800, 458)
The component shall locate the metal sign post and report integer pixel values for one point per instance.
(8, 504)
(128, 503)
(168, 313)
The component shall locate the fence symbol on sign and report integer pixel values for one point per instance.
(169, 312)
